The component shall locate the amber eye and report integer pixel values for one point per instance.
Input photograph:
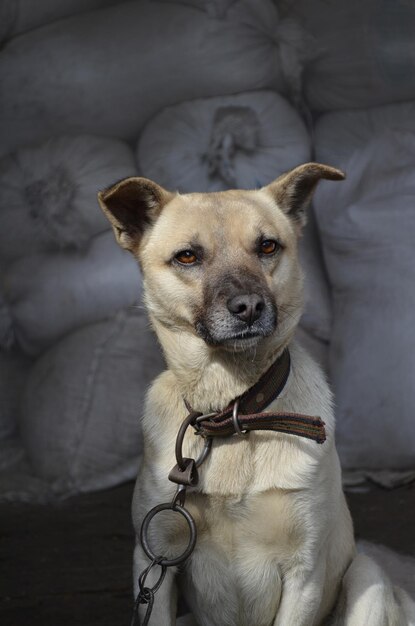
(268, 246)
(186, 257)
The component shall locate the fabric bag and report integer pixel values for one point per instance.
(364, 51)
(48, 295)
(109, 71)
(367, 224)
(80, 420)
(14, 370)
(48, 193)
(18, 16)
(212, 144)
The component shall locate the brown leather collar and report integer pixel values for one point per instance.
(246, 412)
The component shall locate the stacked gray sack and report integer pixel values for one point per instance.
(61, 271)
(364, 52)
(201, 87)
(19, 16)
(368, 232)
(74, 338)
(105, 75)
(361, 91)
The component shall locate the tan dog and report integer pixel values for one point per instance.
(223, 289)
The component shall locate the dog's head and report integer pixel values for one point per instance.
(220, 266)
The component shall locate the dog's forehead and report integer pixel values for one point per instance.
(243, 212)
(222, 205)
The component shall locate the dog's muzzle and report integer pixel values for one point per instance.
(238, 311)
(238, 322)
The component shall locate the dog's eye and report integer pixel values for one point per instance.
(268, 246)
(186, 257)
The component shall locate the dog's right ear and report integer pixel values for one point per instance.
(131, 206)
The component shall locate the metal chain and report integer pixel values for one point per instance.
(184, 470)
(146, 594)
(144, 597)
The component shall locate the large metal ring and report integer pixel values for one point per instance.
(144, 531)
(235, 420)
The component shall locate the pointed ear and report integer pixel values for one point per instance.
(131, 206)
(293, 191)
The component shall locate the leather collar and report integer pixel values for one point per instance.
(246, 412)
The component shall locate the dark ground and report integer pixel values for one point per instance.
(70, 564)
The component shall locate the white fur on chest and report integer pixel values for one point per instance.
(252, 542)
(248, 541)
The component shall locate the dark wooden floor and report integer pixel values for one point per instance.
(70, 564)
(67, 564)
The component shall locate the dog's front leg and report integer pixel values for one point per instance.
(165, 600)
(368, 597)
(301, 597)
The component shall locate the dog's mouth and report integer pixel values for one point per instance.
(235, 340)
(241, 342)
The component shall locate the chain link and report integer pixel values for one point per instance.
(146, 594)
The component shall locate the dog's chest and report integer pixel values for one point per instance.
(269, 522)
(247, 543)
(257, 463)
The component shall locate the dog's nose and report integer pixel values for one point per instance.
(248, 307)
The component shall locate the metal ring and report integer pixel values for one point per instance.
(205, 416)
(206, 449)
(144, 531)
(191, 420)
(179, 440)
(235, 420)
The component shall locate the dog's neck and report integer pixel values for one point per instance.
(209, 378)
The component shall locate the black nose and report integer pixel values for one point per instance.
(248, 307)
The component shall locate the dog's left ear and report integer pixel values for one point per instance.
(293, 191)
(131, 206)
